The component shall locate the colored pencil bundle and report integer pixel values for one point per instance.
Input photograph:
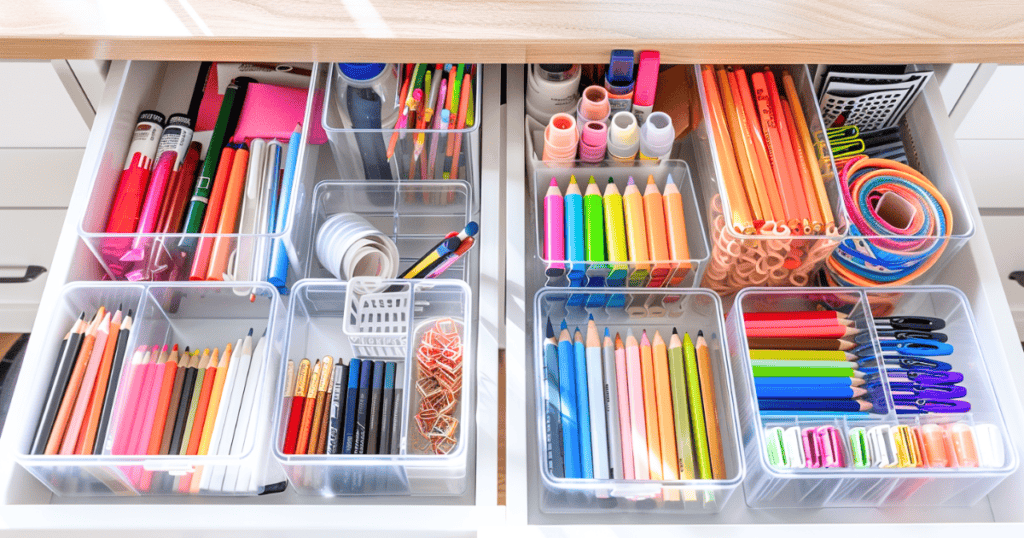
(772, 182)
(631, 410)
(438, 97)
(84, 382)
(794, 379)
(646, 229)
(167, 189)
(345, 407)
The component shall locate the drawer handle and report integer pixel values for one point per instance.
(1018, 276)
(31, 273)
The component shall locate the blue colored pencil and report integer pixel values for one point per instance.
(567, 398)
(800, 392)
(773, 404)
(351, 397)
(279, 256)
(574, 239)
(583, 406)
(809, 381)
(552, 412)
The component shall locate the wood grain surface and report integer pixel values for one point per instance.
(516, 31)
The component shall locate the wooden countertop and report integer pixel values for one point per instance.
(516, 31)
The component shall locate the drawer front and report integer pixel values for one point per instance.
(38, 177)
(1007, 243)
(999, 111)
(994, 170)
(29, 238)
(34, 98)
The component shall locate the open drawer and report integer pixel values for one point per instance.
(28, 504)
(972, 270)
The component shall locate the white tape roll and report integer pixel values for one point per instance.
(348, 246)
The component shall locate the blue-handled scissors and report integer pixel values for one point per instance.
(910, 362)
(911, 346)
(918, 406)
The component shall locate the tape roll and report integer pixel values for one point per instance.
(348, 246)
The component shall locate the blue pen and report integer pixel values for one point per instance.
(279, 256)
(567, 395)
(552, 413)
(351, 396)
(574, 238)
(583, 406)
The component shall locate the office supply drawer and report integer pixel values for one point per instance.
(27, 503)
(972, 270)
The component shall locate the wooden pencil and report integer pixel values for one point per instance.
(67, 403)
(99, 393)
(172, 406)
(309, 405)
(707, 392)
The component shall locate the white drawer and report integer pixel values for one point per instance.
(1005, 238)
(994, 171)
(27, 504)
(29, 238)
(973, 270)
(38, 177)
(999, 111)
(33, 98)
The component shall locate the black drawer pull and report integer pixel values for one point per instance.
(31, 273)
(1018, 276)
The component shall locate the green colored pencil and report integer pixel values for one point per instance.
(803, 371)
(593, 222)
(700, 434)
(680, 410)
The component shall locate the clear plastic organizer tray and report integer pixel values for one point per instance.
(740, 259)
(416, 215)
(198, 314)
(768, 486)
(329, 318)
(918, 129)
(697, 309)
(167, 256)
(670, 273)
(346, 142)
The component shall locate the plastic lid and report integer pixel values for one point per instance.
(357, 71)
(624, 134)
(657, 135)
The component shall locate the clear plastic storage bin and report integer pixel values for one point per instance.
(694, 309)
(324, 319)
(769, 486)
(345, 141)
(197, 314)
(416, 215)
(674, 273)
(740, 259)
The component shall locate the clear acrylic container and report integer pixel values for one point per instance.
(740, 259)
(320, 323)
(696, 309)
(197, 314)
(767, 486)
(416, 215)
(674, 273)
(918, 129)
(345, 145)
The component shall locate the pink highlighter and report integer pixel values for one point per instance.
(554, 230)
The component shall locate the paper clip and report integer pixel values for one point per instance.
(882, 447)
(830, 446)
(860, 453)
(812, 455)
(907, 452)
(990, 446)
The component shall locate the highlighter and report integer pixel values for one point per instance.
(619, 80)
(646, 84)
(615, 233)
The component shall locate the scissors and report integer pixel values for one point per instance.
(918, 406)
(916, 323)
(911, 346)
(908, 390)
(900, 334)
(909, 362)
(923, 378)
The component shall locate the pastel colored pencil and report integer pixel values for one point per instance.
(297, 405)
(125, 418)
(803, 371)
(625, 423)
(156, 385)
(163, 402)
(801, 355)
(61, 376)
(567, 394)
(709, 399)
(611, 406)
(150, 372)
(666, 422)
(67, 403)
(95, 410)
(636, 232)
(698, 421)
(801, 343)
(172, 406)
(309, 406)
(552, 411)
(834, 331)
(583, 406)
(215, 397)
(656, 467)
(771, 404)
(681, 408)
(638, 428)
(657, 235)
(595, 393)
(675, 226)
(202, 409)
(88, 381)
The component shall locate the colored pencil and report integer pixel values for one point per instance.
(611, 403)
(112, 383)
(707, 392)
(297, 406)
(172, 406)
(801, 343)
(771, 404)
(567, 394)
(681, 408)
(170, 372)
(801, 355)
(78, 413)
(625, 423)
(638, 429)
(651, 409)
(657, 235)
(583, 406)
(92, 419)
(70, 395)
(636, 232)
(202, 409)
(552, 412)
(309, 406)
(596, 396)
(215, 397)
(835, 331)
(59, 381)
(698, 423)
(666, 422)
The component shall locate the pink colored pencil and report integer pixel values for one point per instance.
(85, 393)
(622, 388)
(155, 382)
(126, 419)
(638, 428)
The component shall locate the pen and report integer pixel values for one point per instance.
(279, 256)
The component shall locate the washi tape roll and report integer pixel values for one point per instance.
(899, 225)
(348, 246)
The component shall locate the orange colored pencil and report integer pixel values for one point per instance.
(74, 432)
(666, 423)
(322, 396)
(788, 152)
(201, 261)
(675, 223)
(222, 246)
(302, 444)
(163, 402)
(809, 153)
(747, 143)
(67, 403)
(739, 146)
(777, 152)
(771, 187)
(651, 409)
(215, 397)
(737, 199)
(657, 236)
(92, 413)
(707, 391)
(204, 403)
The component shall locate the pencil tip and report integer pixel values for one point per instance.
(611, 180)
(564, 325)
(130, 312)
(607, 333)
(630, 181)
(675, 331)
(250, 331)
(700, 334)
(591, 317)
(187, 351)
(650, 179)
(572, 180)
(82, 316)
(554, 182)
(592, 180)
(550, 332)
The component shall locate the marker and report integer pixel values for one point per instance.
(646, 84)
